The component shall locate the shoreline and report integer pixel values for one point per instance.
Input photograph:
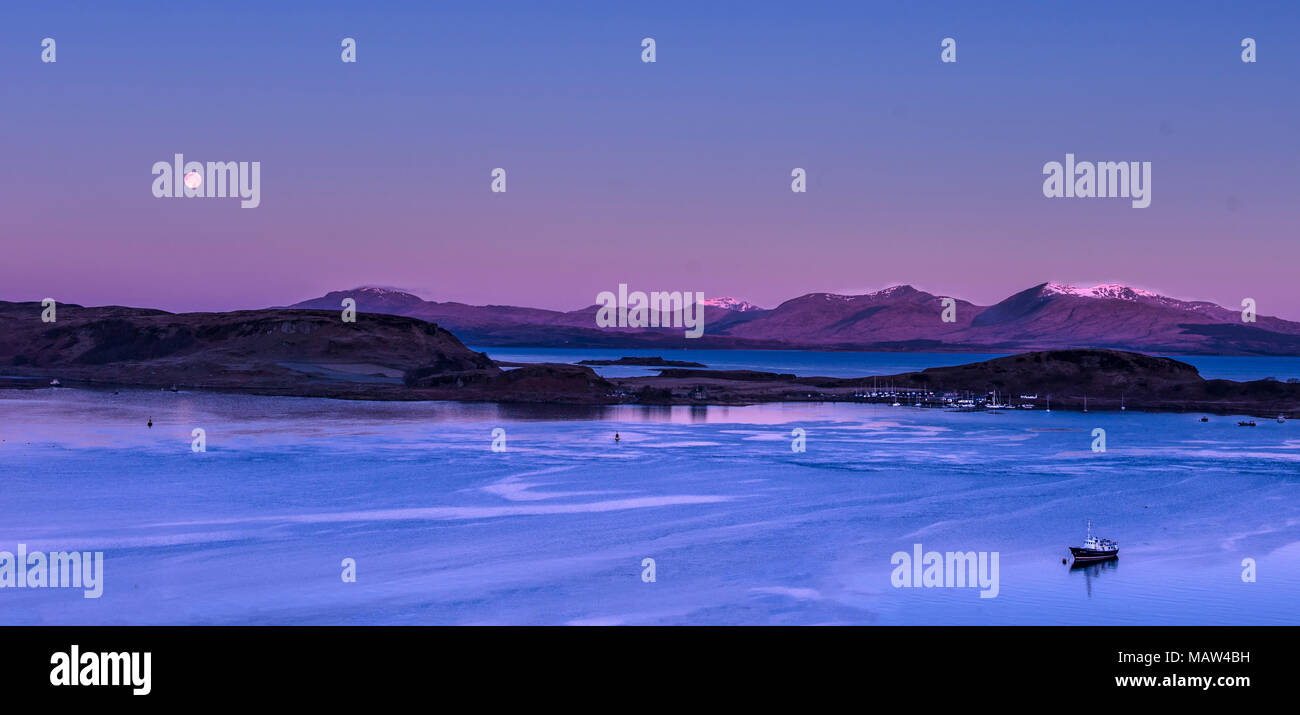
(778, 393)
(311, 353)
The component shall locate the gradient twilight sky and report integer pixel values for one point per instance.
(666, 176)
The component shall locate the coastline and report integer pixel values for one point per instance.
(312, 353)
(707, 390)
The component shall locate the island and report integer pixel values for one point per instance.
(314, 353)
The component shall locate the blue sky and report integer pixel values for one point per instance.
(670, 175)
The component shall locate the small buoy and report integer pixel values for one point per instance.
(616, 437)
(1064, 561)
(151, 422)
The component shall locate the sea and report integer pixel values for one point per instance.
(808, 363)
(314, 511)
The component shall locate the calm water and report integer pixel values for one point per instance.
(853, 364)
(554, 530)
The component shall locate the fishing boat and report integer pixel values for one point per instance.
(1246, 423)
(1281, 418)
(1094, 549)
(55, 383)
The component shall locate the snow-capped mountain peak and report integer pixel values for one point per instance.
(381, 291)
(728, 303)
(891, 291)
(1116, 291)
(1105, 290)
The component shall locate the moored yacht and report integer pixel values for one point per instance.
(1094, 549)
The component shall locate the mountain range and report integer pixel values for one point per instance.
(317, 353)
(1048, 316)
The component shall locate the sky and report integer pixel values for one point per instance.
(672, 175)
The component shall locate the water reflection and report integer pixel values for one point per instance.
(525, 412)
(772, 413)
(1094, 570)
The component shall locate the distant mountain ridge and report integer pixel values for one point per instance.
(1047, 316)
